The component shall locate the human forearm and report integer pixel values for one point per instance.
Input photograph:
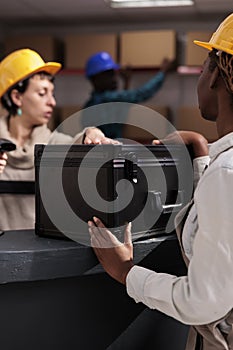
(197, 142)
(205, 294)
(175, 296)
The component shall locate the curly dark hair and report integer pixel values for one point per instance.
(21, 86)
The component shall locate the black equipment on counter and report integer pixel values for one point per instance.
(145, 184)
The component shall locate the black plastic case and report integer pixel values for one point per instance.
(144, 184)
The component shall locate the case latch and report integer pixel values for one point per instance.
(131, 167)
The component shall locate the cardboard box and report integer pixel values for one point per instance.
(79, 47)
(195, 55)
(145, 124)
(147, 48)
(48, 47)
(189, 118)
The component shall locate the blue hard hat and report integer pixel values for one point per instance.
(100, 62)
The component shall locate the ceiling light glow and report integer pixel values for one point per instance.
(148, 3)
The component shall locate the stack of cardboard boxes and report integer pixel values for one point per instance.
(139, 49)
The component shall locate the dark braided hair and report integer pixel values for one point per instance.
(224, 61)
(226, 67)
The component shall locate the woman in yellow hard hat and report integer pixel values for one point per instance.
(203, 298)
(27, 93)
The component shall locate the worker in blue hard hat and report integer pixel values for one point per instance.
(101, 71)
(100, 62)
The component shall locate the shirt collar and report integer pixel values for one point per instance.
(220, 146)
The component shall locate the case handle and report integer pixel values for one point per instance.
(156, 202)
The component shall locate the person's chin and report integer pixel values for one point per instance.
(47, 117)
(43, 121)
(209, 118)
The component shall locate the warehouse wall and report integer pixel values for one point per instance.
(178, 89)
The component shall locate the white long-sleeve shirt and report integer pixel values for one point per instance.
(206, 293)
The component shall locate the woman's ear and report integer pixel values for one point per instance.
(214, 78)
(16, 97)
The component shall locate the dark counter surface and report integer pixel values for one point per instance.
(27, 257)
(55, 296)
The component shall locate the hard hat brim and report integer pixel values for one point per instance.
(49, 67)
(210, 46)
(114, 66)
(204, 44)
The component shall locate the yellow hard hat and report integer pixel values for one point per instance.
(20, 64)
(222, 39)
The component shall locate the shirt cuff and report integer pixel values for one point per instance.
(199, 166)
(135, 282)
